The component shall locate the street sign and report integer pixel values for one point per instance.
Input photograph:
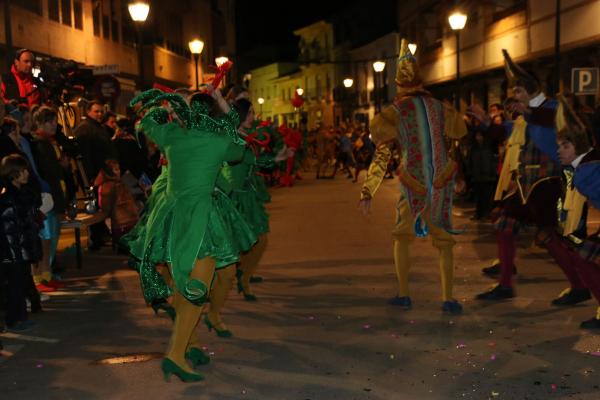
(107, 87)
(584, 80)
(107, 69)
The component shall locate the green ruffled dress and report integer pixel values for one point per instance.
(134, 239)
(191, 220)
(248, 191)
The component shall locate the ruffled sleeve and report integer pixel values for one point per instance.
(376, 171)
(156, 131)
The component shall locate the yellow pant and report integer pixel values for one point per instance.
(403, 234)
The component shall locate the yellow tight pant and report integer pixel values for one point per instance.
(403, 235)
(218, 294)
(249, 262)
(188, 314)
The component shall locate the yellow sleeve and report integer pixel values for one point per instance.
(454, 123)
(376, 170)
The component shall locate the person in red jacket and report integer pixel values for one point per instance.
(20, 84)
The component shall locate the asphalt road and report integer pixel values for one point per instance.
(321, 329)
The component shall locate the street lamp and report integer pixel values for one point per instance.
(413, 48)
(196, 46)
(378, 67)
(138, 11)
(457, 21)
(221, 60)
(261, 101)
(348, 82)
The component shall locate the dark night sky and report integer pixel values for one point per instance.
(265, 27)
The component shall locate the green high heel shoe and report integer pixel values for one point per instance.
(240, 287)
(224, 333)
(249, 297)
(197, 357)
(169, 368)
(166, 307)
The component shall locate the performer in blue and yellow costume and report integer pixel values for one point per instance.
(191, 227)
(419, 124)
(239, 180)
(529, 185)
(577, 255)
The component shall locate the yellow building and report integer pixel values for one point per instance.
(100, 32)
(315, 75)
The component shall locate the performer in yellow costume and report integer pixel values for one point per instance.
(417, 122)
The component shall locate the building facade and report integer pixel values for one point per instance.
(316, 74)
(100, 32)
(371, 89)
(525, 28)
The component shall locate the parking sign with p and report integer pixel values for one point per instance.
(584, 81)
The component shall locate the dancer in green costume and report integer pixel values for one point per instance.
(190, 226)
(239, 181)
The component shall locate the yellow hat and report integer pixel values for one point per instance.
(408, 78)
(517, 76)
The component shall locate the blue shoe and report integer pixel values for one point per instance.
(402, 301)
(452, 307)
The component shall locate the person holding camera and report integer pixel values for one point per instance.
(19, 84)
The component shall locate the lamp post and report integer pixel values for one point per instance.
(297, 102)
(378, 67)
(261, 101)
(196, 46)
(138, 11)
(556, 78)
(220, 61)
(457, 22)
(348, 82)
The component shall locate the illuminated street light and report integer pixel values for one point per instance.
(196, 46)
(300, 91)
(413, 48)
(379, 66)
(457, 21)
(139, 11)
(261, 101)
(221, 60)
(348, 82)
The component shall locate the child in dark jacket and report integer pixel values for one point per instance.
(19, 241)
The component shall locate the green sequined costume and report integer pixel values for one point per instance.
(248, 191)
(190, 219)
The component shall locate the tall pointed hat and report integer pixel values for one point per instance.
(408, 78)
(517, 76)
(570, 127)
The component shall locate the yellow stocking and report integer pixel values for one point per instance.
(163, 270)
(188, 314)
(402, 262)
(446, 272)
(249, 262)
(219, 293)
(194, 339)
